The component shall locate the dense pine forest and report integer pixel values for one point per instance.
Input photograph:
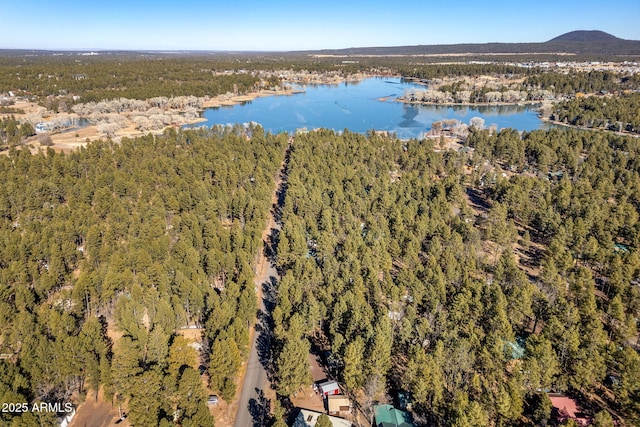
(415, 269)
(95, 79)
(412, 268)
(618, 113)
(108, 251)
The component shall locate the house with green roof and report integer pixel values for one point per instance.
(388, 416)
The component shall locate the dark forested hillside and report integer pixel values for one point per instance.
(576, 42)
(584, 36)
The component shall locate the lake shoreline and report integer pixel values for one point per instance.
(438, 83)
(545, 119)
(70, 140)
(225, 101)
(402, 124)
(374, 110)
(471, 104)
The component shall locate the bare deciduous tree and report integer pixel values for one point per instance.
(477, 123)
(109, 129)
(45, 140)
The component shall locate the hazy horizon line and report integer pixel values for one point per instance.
(224, 50)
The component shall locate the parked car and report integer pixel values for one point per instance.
(212, 400)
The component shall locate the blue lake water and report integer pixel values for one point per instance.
(357, 107)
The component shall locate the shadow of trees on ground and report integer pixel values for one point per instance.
(260, 409)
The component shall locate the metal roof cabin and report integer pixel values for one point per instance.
(388, 416)
(329, 387)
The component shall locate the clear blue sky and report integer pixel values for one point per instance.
(295, 25)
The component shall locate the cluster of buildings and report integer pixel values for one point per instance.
(630, 67)
(338, 405)
(564, 408)
(309, 418)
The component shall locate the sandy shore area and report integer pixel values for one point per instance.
(220, 101)
(72, 139)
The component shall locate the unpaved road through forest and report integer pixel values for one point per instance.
(253, 405)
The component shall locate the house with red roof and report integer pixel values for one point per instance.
(564, 407)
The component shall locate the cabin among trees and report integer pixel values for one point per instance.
(564, 408)
(338, 404)
(308, 418)
(388, 416)
(329, 388)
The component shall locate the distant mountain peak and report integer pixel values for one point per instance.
(588, 43)
(582, 36)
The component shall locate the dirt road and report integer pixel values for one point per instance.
(254, 404)
(98, 413)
